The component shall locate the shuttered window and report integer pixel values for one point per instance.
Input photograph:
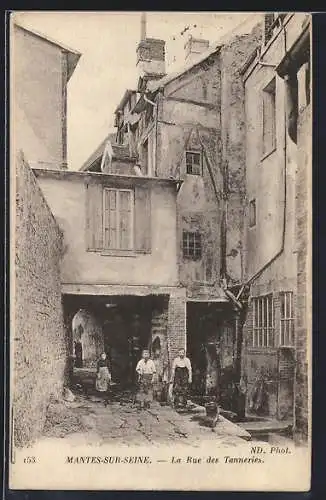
(269, 117)
(118, 219)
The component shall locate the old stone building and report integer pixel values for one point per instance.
(189, 126)
(278, 164)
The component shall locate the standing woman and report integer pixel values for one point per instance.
(103, 378)
(181, 378)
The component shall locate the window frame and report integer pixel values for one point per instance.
(262, 331)
(145, 155)
(268, 96)
(194, 152)
(287, 320)
(117, 191)
(186, 250)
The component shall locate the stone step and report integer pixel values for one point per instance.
(256, 428)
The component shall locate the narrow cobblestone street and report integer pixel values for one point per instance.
(89, 421)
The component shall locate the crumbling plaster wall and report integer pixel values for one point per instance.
(233, 152)
(189, 120)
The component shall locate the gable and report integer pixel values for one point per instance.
(200, 85)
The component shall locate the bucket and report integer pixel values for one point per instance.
(211, 410)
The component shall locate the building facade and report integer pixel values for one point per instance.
(188, 228)
(278, 158)
(190, 126)
(40, 71)
(117, 230)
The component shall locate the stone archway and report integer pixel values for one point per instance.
(87, 336)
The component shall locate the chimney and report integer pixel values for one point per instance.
(143, 26)
(195, 46)
(151, 57)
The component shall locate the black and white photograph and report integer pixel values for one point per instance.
(160, 250)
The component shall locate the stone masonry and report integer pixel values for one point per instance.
(176, 322)
(303, 297)
(37, 336)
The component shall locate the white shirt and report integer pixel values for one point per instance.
(147, 367)
(182, 363)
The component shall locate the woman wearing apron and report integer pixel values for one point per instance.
(103, 378)
(181, 378)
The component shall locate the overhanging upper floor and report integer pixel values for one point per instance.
(117, 229)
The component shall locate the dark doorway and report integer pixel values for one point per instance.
(206, 348)
(126, 331)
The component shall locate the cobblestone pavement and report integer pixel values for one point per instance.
(122, 423)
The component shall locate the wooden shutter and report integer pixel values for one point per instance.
(94, 217)
(142, 219)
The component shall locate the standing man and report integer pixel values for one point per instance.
(145, 370)
(181, 378)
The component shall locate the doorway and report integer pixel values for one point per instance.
(126, 331)
(207, 329)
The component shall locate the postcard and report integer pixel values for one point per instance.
(160, 190)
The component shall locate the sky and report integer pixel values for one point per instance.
(107, 67)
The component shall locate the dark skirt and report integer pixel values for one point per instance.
(181, 384)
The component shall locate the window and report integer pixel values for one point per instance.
(252, 213)
(191, 243)
(145, 157)
(118, 219)
(286, 319)
(269, 118)
(228, 335)
(263, 322)
(204, 90)
(193, 163)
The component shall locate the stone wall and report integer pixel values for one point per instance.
(176, 338)
(303, 309)
(37, 337)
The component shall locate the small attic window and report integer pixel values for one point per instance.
(193, 162)
(204, 90)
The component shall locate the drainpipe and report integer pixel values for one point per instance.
(238, 345)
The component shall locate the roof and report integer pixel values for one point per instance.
(124, 99)
(77, 174)
(73, 55)
(153, 86)
(120, 152)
